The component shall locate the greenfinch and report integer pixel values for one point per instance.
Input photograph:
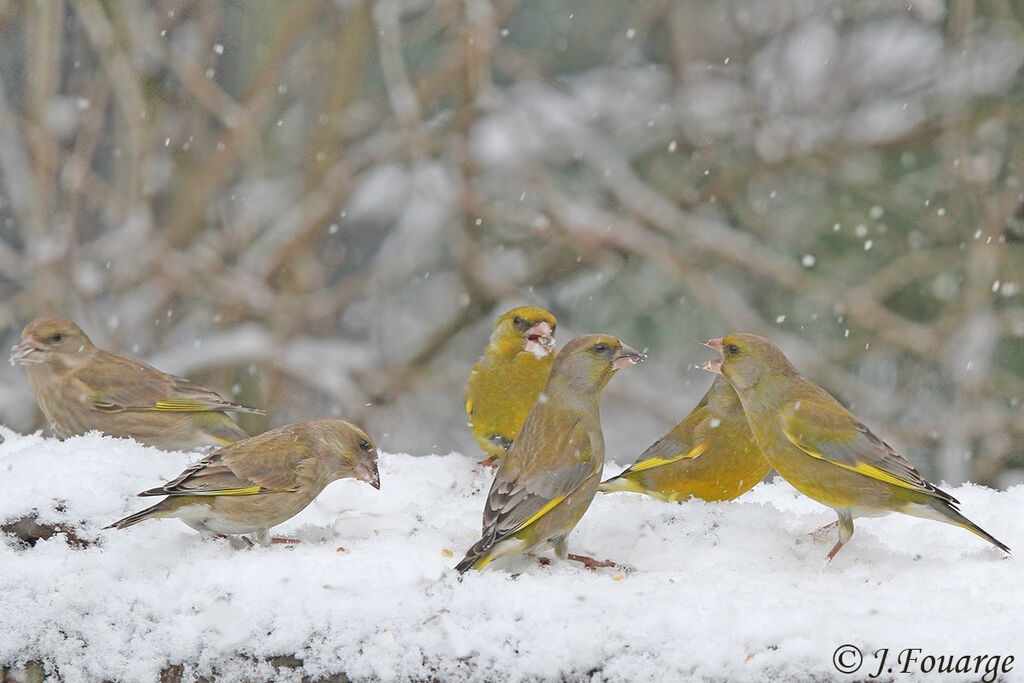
(508, 378)
(81, 388)
(549, 477)
(254, 484)
(819, 447)
(710, 455)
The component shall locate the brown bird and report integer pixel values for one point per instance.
(550, 475)
(254, 484)
(710, 455)
(82, 388)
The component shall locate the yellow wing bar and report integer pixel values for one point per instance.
(860, 468)
(651, 463)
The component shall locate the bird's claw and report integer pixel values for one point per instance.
(825, 533)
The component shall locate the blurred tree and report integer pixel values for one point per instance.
(321, 206)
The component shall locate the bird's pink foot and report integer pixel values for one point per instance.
(825, 533)
(589, 562)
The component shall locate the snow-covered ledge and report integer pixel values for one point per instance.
(723, 591)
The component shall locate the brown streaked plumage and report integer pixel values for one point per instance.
(82, 388)
(252, 485)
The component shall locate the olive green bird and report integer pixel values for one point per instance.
(711, 454)
(81, 388)
(252, 485)
(550, 475)
(508, 378)
(822, 449)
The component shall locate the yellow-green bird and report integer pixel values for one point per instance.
(81, 388)
(508, 378)
(550, 475)
(710, 455)
(822, 449)
(252, 485)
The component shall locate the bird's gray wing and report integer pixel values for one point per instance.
(521, 495)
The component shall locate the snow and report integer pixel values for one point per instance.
(718, 591)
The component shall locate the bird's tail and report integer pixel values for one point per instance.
(489, 548)
(477, 557)
(951, 515)
(620, 483)
(161, 509)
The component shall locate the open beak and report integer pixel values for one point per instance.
(370, 475)
(715, 365)
(28, 352)
(540, 339)
(627, 356)
(715, 344)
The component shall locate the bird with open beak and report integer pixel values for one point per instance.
(550, 475)
(81, 388)
(252, 485)
(821, 448)
(506, 381)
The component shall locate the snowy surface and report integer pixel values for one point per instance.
(718, 591)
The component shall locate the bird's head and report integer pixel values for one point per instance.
(47, 339)
(746, 359)
(350, 452)
(588, 362)
(527, 328)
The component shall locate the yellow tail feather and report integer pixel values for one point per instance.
(620, 483)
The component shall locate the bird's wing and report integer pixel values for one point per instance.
(836, 436)
(680, 443)
(520, 496)
(262, 464)
(119, 384)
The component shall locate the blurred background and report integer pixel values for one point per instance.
(321, 207)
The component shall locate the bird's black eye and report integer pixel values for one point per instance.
(520, 323)
(56, 337)
(600, 348)
(364, 445)
(732, 349)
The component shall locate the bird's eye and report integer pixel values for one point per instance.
(600, 348)
(364, 445)
(732, 349)
(56, 337)
(519, 323)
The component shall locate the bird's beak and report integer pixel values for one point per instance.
(715, 344)
(28, 352)
(540, 339)
(715, 365)
(627, 356)
(370, 475)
